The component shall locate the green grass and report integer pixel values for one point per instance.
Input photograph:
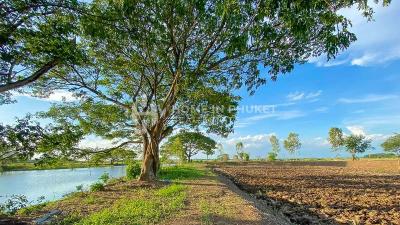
(157, 205)
(186, 172)
(210, 209)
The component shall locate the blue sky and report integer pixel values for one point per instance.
(359, 92)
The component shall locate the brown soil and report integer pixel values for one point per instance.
(324, 193)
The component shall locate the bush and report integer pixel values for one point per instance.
(132, 170)
(105, 177)
(97, 187)
(272, 156)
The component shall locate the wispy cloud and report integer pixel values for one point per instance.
(367, 98)
(279, 115)
(297, 96)
(375, 121)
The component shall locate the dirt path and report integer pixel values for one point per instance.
(216, 200)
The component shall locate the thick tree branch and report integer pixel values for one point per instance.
(32, 78)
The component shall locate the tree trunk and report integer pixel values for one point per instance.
(353, 157)
(151, 161)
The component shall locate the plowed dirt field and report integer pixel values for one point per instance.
(324, 193)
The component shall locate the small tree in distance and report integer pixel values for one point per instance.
(186, 144)
(354, 144)
(392, 144)
(292, 143)
(275, 148)
(275, 143)
(239, 150)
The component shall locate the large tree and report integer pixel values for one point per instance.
(35, 36)
(155, 65)
(187, 144)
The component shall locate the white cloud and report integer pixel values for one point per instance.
(250, 140)
(297, 96)
(55, 96)
(356, 130)
(367, 98)
(313, 95)
(360, 130)
(377, 40)
(363, 60)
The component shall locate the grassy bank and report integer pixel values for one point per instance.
(186, 194)
(123, 201)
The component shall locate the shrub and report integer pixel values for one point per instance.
(272, 156)
(132, 170)
(105, 177)
(97, 187)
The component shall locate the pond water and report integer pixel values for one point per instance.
(52, 184)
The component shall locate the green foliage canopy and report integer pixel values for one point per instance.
(392, 144)
(292, 143)
(274, 144)
(355, 144)
(35, 36)
(27, 137)
(335, 138)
